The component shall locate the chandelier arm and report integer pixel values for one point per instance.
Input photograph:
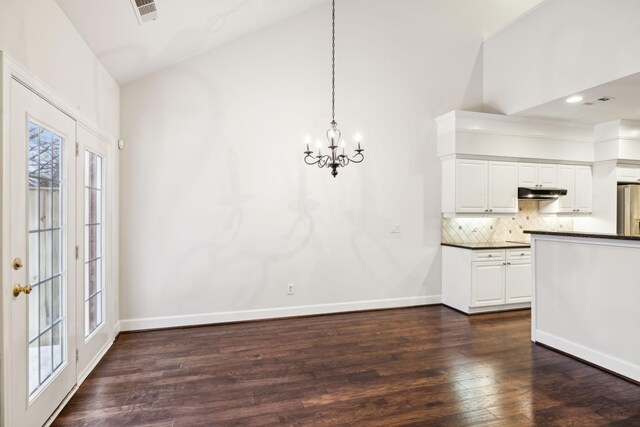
(358, 158)
(313, 161)
(344, 160)
(323, 161)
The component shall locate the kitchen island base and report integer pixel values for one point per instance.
(586, 296)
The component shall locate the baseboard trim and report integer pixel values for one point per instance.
(593, 357)
(273, 313)
(116, 330)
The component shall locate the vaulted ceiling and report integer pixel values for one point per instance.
(184, 28)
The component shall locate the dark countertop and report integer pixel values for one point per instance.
(489, 245)
(584, 234)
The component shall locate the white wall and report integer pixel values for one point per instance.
(561, 48)
(38, 35)
(218, 210)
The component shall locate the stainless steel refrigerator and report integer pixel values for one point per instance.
(629, 209)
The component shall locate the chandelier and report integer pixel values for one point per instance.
(333, 160)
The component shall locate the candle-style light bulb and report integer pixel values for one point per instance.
(358, 138)
(307, 141)
(319, 147)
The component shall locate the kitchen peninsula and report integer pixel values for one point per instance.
(586, 290)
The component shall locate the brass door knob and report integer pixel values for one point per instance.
(17, 289)
(17, 264)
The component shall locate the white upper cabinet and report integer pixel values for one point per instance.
(479, 186)
(471, 177)
(628, 173)
(566, 180)
(578, 182)
(503, 187)
(527, 174)
(537, 175)
(583, 199)
(483, 186)
(548, 176)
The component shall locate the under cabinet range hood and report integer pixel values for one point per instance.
(539, 193)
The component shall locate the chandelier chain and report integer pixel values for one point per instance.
(333, 62)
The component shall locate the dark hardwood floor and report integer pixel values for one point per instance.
(418, 366)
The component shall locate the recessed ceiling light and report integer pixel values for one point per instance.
(573, 99)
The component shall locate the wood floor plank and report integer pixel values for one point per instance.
(417, 366)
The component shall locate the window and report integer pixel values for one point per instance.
(45, 262)
(94, 232)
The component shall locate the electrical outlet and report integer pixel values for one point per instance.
(291, 288)
(395, 228)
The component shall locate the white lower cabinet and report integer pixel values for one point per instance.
(517, 282)
(487, 283)
(476, 281)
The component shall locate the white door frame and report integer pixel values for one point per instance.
(9, 69)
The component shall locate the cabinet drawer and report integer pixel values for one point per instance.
(524, 253)
(488, 255)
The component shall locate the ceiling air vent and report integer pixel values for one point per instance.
(596, 100)
(146, 10)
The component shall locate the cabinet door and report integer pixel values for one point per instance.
(487, 283)
(503, 187)
(518, 282)
(471, 185)
(583, 189)
(566, 180)
(628, 173)
(548, 176)
(527, 174)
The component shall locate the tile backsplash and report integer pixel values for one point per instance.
(504, 228)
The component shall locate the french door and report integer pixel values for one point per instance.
(43, 238)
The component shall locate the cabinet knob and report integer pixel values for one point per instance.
(490, 256)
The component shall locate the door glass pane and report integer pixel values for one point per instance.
(57, 345)
(33, 365)
(93, 232)
(56, 213)
(46, 260)
(46, 369)
(46, 254)
(34, 313)
(45, 305)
